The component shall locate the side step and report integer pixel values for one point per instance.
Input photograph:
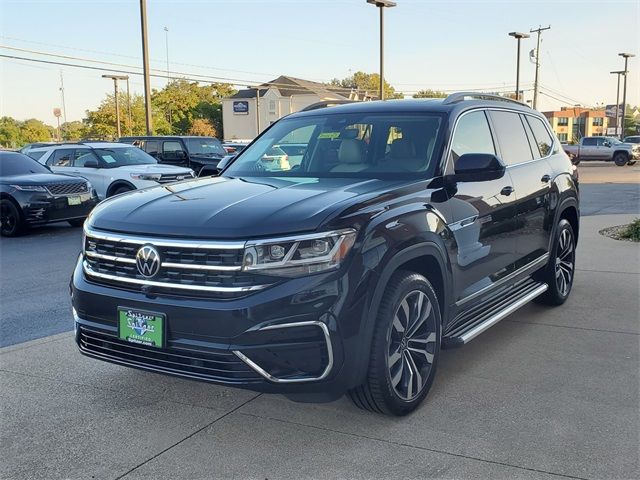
(485, 317)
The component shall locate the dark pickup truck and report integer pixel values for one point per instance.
(201, 154)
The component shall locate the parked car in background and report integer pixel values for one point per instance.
(605, 149)
(30, 194)
(112, 168)
(234, 147)
(295, 152)
(408, 225)
(632, 139)
(274, 159)
(200, 154)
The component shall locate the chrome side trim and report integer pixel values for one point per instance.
(540, 260)
(164, 242)
(490, 322)
(268, 376)
(194, 288)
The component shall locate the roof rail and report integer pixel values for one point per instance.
(462, 96)
(326, 103)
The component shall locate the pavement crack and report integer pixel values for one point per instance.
(188, 437)
(573, 327)
(606, 271)
(408, 445)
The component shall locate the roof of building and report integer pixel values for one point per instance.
(289, 86)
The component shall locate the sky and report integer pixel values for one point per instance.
(448, 45)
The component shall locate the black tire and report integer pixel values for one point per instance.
(560, 271)
(404, 298)
(76, 222)
(11, 222)
(120, 190)
(620, 159)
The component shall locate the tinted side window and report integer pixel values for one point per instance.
(512, 137)
(472, 135)
(36, 155)
(542, 137)
(152, 147)
(81, 155)
(61, 158)
(170, 150)
(589, 142)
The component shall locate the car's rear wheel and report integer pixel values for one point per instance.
(11, 223)
(405, 348)
(620, 159)
(559, 272)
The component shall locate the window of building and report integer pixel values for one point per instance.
(272, 106)
(562, 137)
(563, 121)
(598, 121)
(512, 138)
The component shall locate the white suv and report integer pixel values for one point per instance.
(112, 168)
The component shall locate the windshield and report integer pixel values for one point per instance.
(18, 164)
(347, 145)
(205, 146)
(120, 157)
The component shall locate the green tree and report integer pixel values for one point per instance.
(75, 130)
(428, 93)
(366, 82)
(631, 123)
(10, 133)
(33, 130)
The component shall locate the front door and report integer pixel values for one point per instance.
(482, 215)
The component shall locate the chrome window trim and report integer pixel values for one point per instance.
(271, 378)
(177, 286)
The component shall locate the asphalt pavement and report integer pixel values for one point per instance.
(547, 393)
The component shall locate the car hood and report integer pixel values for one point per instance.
(152, 168)
(39, 179)
(232, 208)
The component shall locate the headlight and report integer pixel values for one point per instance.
(146, 176)
(30, 188)
(298, 256)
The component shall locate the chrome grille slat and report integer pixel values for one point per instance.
(186, 268)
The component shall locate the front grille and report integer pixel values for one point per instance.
(209, 269)
(173, 177)
(67, 188)
(221, 365)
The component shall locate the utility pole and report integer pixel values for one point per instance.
(166, 44)
(115, 79)
(382, 4)
(64, 106)
(626, 57)
(538, 30)
(145, 62)
(518, 36)
(129, 107)
(618, 73)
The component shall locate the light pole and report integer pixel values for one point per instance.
(518, 36)
(145, 66)
(129, 107)
(618, 73)
(115, 79)
(626, 57)
(382, 4)
(166, 44)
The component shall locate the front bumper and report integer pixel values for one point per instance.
(290, 338)
(41, 208)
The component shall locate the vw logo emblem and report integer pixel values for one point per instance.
(148, 261)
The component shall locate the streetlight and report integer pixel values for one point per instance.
(518, 36)
(626, 57)
(382, 4)
(618, 73)
(115, 79)
(145, 66)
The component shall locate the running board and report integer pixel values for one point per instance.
(485, 320)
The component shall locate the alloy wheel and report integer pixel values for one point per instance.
(565, 261)
(412, 345)
(8, 219)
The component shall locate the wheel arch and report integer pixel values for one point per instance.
(117, 184)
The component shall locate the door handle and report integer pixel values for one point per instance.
(546, 178)
(506, 191)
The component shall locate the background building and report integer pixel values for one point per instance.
(573, 123)
(245, 114)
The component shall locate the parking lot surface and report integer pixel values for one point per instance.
(546, 393)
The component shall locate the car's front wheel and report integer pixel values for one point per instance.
(11, 223)
(405, 348)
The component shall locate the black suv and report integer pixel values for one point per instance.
(406, 226)
(200, 154)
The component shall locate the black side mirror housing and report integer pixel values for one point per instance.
(91, 164)
(181, 154)
(478, 167)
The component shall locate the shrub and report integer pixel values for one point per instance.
(632, 231)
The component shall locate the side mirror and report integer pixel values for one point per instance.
(181, 154)
(606, 144)
(478, 167)
(224, 162)
(91, 163)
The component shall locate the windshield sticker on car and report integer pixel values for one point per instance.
(108, 159)
(331, 135)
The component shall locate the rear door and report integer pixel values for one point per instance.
(531, 175)
(589, 149)
(61, 161)
(481, 215)
(95, 175)
(174, 153)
